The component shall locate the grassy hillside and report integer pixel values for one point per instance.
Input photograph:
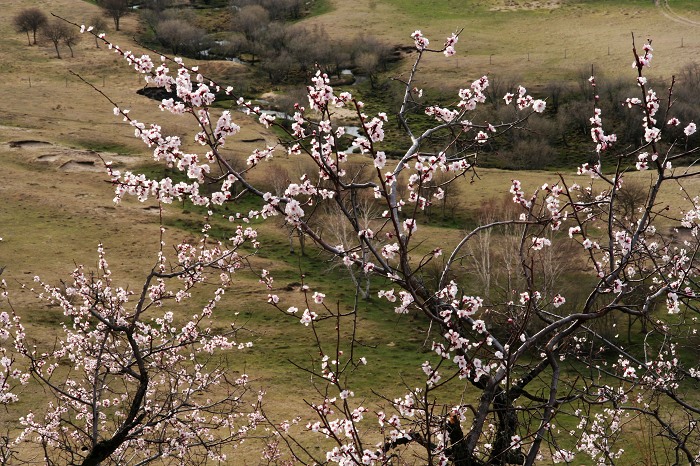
(55, 205)
(560, 36)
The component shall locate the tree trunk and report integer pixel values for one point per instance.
(503, 453)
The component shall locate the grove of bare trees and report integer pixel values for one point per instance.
(30, 20)
(57, 31)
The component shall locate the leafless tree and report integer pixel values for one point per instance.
(277, 9)
(55, 31)
(115, 9)
(278, 66)
(100, 26)
(29, 20)
(71, 38)
(337, 229)
(180, 36)
(368, 63)
(251, 21)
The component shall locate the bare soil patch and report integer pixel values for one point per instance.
(28, 144)
(514, 5)
(69, 159)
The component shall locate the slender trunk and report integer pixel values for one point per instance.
(302, 242)
(29, 40)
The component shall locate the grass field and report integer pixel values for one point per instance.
(55, 206)
(539, 41)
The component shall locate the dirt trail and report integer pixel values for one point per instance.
(666, 10)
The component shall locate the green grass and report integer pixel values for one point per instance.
(43, 212)
(105, 146)
(320, 7)
(480, 10)
(426, 9)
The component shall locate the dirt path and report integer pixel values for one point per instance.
(666, 10)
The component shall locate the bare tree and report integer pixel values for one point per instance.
(99, 26)
(277, 9)
(180, 36)
(368, 63)
(56, 32)
(71, 38)
(115, 9)
(369, 44)
(340, 232)
(278, 66)
(251, 21)
(29, 20)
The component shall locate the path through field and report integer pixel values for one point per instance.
(666, 10)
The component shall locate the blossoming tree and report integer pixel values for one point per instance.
(540, 378)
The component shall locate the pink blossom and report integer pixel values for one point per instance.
(539, 243)
(420, 41)
(539, 106)
(558, 300)
(481, 137)
(410, 225)
(308, 317)
(690, 129)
